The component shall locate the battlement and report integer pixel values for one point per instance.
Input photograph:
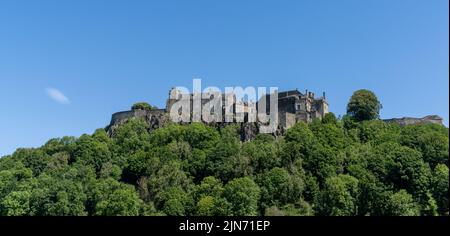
(119, 117)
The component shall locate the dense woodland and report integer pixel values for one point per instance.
(354, 165)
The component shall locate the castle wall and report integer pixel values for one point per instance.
(433, 119)
(290, 120)
(293, 107)
(286, 111)
(121, 117)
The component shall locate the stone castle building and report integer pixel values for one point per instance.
(293, 106)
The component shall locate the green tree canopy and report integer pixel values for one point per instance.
(402, 204)
(143, 106)
(364, 105)
(328, 167)
(243, 195)
(339, 196)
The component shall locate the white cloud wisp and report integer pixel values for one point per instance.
(57, 96)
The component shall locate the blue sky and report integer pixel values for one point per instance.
(66, 66)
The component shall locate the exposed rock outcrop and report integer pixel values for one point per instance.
(156, 119)
(249, 131)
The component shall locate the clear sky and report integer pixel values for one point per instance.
(66, 66)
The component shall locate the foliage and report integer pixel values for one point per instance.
(364, 105)
(243, 195)
(339, 196)
(143, 106)
(356, 165)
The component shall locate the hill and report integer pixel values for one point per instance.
(329, 167)
(335, 167)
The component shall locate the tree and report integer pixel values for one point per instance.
(323, 162)
(142, 163)
(301, 208)
(110, 197)
(407, 170)
(243, 195)
(143, 106)
(223, 159)
(35, 159)
(262, 153)
(279, 181)
(16, 204)
(64, 144)
(330, 118)
(90, 151)
(121, 202)
(327, 167)
(373, 198)
(200, 136)
(176, 202)
(11, 179)
(328, 134)
(209, 198)
(131, 137)
(402, 204)
(378, 132)
(299, 142)
(339, 197)
(312, 189)
(440, 188)
(430, 139)
(168, 176)
(210, 186)
(364, 105)
(68, 203)
(205, 206)
(213, 206)
(429, 207)
(58, 196)
(110, 170)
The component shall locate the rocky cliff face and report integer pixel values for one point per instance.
(159, 118)
(249, 131)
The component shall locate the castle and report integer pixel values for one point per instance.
(293, 106)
